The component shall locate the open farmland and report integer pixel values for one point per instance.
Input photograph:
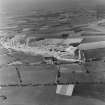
(26, 80)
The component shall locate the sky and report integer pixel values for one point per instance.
(102, 1)
(42, 1)
(37, 4)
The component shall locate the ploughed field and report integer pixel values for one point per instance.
(26, 80)
(30, 82)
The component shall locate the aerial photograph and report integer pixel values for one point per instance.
(52, 52)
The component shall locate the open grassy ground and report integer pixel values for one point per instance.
(31, 85)
(25, 84)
